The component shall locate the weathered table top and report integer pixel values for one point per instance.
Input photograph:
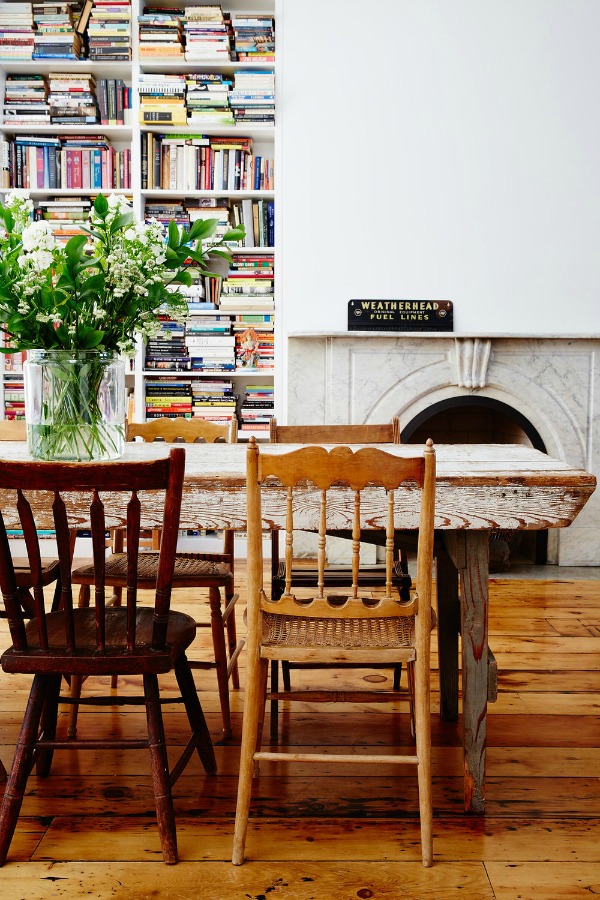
(479, 486)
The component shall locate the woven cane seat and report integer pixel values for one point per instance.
(300, 631)
(187, 565)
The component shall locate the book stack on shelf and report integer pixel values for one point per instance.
(109, 31)
(258, 218)
(66, 216)
(250, 284)
(168, 396)
(72, 98)
(84, 162)
(14, 393)
(165, 211)
(162, 99)
(206, 34)
(211, 208)
(114, 101)
(207, 99)
(26, 100)
(16, 31)
(161, 33)
(252, 98)
(257, 408)
(167, 349)
(55, 34)
(211, 351)
(192, 162)
(213, 400)
(253, 37)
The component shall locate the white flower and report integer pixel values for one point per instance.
(38, 236)
(41, 259)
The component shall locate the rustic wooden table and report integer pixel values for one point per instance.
(480, 487)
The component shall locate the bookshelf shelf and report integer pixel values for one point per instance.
(132, 137)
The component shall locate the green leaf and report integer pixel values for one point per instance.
(88, 338)
(75, 248)
(202, 228)
(173, 241)
(183, 277)
(122, 221)
(235, 234)
(101, 205)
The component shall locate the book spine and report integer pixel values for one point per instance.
(112, 101)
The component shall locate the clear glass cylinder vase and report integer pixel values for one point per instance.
(75, 404)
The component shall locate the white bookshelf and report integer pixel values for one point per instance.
(129, 136)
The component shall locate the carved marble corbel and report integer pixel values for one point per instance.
(472, 359)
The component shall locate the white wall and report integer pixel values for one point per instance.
(441, 149)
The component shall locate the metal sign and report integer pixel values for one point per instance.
(400, 315)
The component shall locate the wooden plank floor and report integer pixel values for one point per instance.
(339, 833)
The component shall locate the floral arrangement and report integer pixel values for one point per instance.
(102, 288)
(79, 307)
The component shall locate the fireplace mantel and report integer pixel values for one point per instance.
(551, 380)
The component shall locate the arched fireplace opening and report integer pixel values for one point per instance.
(469, 420)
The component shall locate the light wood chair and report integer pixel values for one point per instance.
(305, 575)
(134, 640)
(344, 627)
(212, 571)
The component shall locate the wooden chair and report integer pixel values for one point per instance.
(344, 627)
(214, 571)
(133, 640)
(16, 430)
(306, 574)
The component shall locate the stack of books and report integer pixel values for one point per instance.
(25, 99)
(168, 396)
(213, 400)
(72, 98)
(74, 161)
(253, 37)
(211, 351)
(167, 350)
(249, 285)
(16, 31)
(109, 31)
(167, 210)
(252, 98)
(258, 218)
(207, 99)
(55, 34)
(257, 408)
(162, 99)
(114, 99)
(211, 208)
(67, 216)
(161, 33)
(206, 34)
(14, 392)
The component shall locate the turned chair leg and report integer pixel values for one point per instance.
(220, 650)
(165, 814)
(17, 779)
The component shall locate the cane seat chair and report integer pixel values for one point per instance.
(305, 574)
(346, 626)
(212, 571)
(135, 640)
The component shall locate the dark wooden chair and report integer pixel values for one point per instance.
(351, 626)
(305, 575)
(134, 640)
(212, 571)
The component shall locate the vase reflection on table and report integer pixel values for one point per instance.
(75, 404)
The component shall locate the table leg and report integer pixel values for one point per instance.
(448, 628)
(469, 551)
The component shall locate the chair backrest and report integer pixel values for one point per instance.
(334, 471)
(13, 430)
(387, 433)
(188, 431)
(49, 482)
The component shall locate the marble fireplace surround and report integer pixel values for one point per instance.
(554, 382)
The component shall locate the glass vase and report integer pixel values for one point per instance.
(75, 404)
